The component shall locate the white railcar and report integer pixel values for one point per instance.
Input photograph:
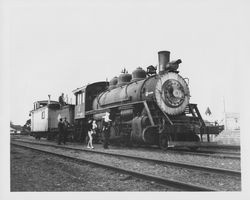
(46, 115)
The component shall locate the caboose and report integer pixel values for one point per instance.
(45, 117)
(146, 107)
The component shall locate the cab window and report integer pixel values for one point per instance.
(80, 97)
(43, 115)
(83, 97)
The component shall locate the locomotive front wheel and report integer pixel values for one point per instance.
(163, 142)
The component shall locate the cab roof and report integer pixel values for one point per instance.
(46, 102)
(79, 89)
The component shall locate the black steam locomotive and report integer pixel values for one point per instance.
(146, 107)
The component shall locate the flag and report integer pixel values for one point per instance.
(208, 111)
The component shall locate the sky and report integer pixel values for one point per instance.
(57, 46)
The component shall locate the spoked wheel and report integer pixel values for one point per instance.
(163, 141)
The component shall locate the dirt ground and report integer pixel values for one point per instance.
(33, 171)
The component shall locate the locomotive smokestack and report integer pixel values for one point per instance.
(163, 57)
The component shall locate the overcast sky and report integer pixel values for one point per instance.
(57, 46)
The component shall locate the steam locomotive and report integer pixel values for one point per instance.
(146, 107)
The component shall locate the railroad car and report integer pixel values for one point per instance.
(45, 116)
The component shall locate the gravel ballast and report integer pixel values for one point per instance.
(230, 164)
(33, 171)
(220, 182)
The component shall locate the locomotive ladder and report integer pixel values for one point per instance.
(195, 112)
(155, 110)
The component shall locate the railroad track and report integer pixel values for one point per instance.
(162, 180)
(222, 146)
(216, 154)
(176, 164)
(204, 153)
(220, 152)
(201, 152)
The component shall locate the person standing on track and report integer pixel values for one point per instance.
(60, 131)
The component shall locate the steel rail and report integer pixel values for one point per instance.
(157, 179)
(176, 164)
(222, 146)
(208, 153)
(219, 152)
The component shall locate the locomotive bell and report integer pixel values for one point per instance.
(163, 57)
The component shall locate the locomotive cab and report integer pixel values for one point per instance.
(84, 98)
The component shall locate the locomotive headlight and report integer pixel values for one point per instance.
(177, 93)
(172, 93)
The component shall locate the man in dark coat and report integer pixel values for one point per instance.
(61, 100)
(60, 131)
(106, 130)
(65, 130)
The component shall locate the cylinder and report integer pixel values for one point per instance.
(127, 114)
(163, 57)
